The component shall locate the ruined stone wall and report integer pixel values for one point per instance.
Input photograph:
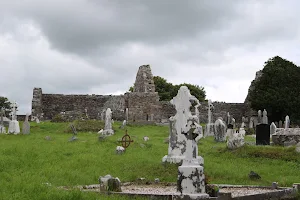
(36, 104)
(142, 105)
(53, 104)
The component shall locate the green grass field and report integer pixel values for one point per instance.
(32, 167)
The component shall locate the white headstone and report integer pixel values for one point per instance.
(14, 126)
(235, 140)
(272, 128)
(287, 122)
(177, 140)
(265, 117)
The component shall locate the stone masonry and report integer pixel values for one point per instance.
(142, 103)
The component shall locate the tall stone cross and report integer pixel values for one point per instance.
(210, 109)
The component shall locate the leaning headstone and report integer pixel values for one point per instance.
(280, 124)
(220, 131)
(108, 123)
(262, 134)
(265, 117)
(272, 128)
(26, 125)
(14, 126)
(177, 141)
(259, 117)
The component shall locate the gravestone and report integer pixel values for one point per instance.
(233, 122)
(243, 125)
(259, 117)
(265, 117)
(220, 131)
(272, 128)
(126, 114)
(14, 126)
(235, 139)
(251, 122)
(2, 127)
(177, 140)
(280, 124)
(191, 180)
(228, 119)
(287, 122)
(108, 123)
(209, 127)
(26, 125)
(262, 134)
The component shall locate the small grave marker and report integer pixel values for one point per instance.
(126, 140)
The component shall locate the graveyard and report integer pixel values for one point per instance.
(123, 152)
(34, 166)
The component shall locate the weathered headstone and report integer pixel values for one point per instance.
(209, 127)
(280, 124)
(228, 119)
(251, 122)
(126, 114)
(191, 180)
(272, 128)
(2, 127)
(259, 117)
(178, 142)
(220, 131)
(243, 125)
(108, 123)
(233, 122)
(109, 183)
(26, 125)
(265, 117)
(262, 134)
(287, 122)
(235, 139)
(14, 126)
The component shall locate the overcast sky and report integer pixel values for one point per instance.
(96, 46)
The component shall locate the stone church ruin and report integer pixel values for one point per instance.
(143, 104)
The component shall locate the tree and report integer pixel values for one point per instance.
(4, 103)
(167, 91)
(277, 90)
